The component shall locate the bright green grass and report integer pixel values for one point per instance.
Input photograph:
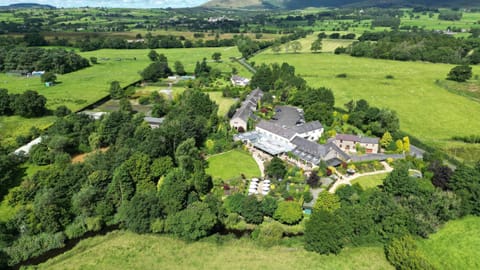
(126, 250)
(426, 110)
(232, 164)
(455, 246)
(11, 127)
(6, 211)
(328, 45)
(370, 181)
(469, 20)
(223, 103)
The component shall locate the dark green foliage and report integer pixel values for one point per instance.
(404, 255)
(216, 56)
(116, 91)
(62, 111)
(450, 15)
(319, 235)
(465, 182)
(269, 205)
(51, 211)
(179, 68)
(40, 155)
(269, 234)
(48, 77)
(276, 78)
(156, 71)
(153, 55)
(252, 210)
(93, 60)
(173, 191)
(141, 211)
(399, 183)
(460, 73)
(276, 168)
(234, 203)
(367, 118)
(193, 223)
(5, 107)
(202, 69)
(288, 212)
(29, 104)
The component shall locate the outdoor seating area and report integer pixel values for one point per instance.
(259, 187)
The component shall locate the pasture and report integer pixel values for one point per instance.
(126, 250)
(370, 181)
(455, 246)
(223, 103)
(425, 109)
(232, 164)
(81, 88)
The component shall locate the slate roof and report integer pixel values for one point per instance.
(416, 152)
(249, 105)
(307, 127)
(281, 131)
(355, 138)
(378, 157)
(314, 152)
(288, 116)
(154, 120)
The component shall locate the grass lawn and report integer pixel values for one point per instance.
(370, 181)
(455, 246)
(426, 110)
(223, 103)
(126, 250)
(232, 164)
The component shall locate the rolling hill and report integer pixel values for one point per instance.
(298, 4)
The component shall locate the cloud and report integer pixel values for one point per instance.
(113, 3)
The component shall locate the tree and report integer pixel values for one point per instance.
(399, 144)
(179, 68)
(252, 210)
(399, 183)
(460, 73)
(316, 45)
(296, 46)
(116, 91)
(29, 104)
(173, 191)
(313, 179)
(406, 144)
(386, 139)
(62, 111)
(441, 175)
(216, 56)
(141, 211)
(48, 77)
(403, 253)
(193, 223)
(326, 201)
(319, 235)
(125, 105)
(269, 205)
(5, 108)
(93, 60)
(156, 70)
(288, 212)
(276, 168)
(276, 47)
(153, 55)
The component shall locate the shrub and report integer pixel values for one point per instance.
(269, 234)
(389, 77)
(288, 212)
(27, 247)
(404, 255)
(341, 75)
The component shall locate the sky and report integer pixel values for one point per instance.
(112, 3)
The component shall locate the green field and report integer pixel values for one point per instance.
(370, 181)
(223, 103)
(232, 164)
(425, 109)
(126, 250)
(81, 88)
(455, 246)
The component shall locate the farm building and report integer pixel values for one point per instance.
(249, 106)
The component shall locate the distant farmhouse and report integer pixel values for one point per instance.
(239, 81)
(249, 105)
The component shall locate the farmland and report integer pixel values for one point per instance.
(81, 88)
(232, 164)
(455, 246)
(425, 109)
(125, 250)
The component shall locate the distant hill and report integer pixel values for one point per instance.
(27, 5)
(297, 4)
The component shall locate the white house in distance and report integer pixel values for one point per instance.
(249, 105)
(348, 142)
(239, 81)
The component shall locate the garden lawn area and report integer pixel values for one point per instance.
(370, 181)
(126, 250)
(455, 246)
(426, 110)
(232, 164)
(223, 103)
